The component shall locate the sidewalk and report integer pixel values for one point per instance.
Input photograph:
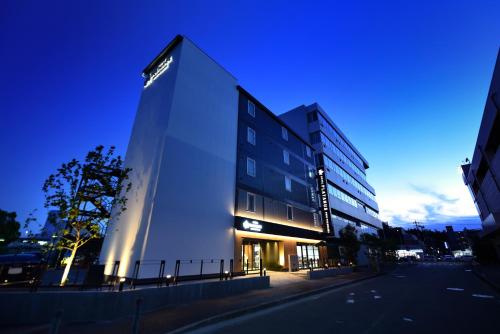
(169, 319)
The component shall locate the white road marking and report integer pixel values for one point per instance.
(377, 297)
(408, 319)
(401, 276)
(373, 291)
(350, 301)
(468, 269)
(455, 289)
(481, 296)
(352, 294)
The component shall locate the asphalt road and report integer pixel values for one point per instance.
(427, 298)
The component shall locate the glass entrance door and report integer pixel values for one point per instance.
(308, 256)
(252, 253)
(256, 255)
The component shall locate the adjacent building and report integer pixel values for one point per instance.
(346, 196)
(218, 176)
(482, 174)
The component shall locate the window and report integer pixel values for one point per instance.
(312, 116)
(308, 151)
(250, 202)
(312, 174)
(316, 219)
(251, 135)
(315, 137)
(286, 157)
(289, 212)
(342, 196)
(251, 108)
(288, 183)
(251, 168)
(284, 133)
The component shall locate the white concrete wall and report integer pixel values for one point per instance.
(183, 158)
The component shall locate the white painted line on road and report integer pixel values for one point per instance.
(377, 297)
(455, 289)
(468, 269)
(350, 301)
(481, 296)
(351, 294)
(408, 319)
(373, 291)
(401, 276)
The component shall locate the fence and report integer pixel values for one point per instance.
(93, 275)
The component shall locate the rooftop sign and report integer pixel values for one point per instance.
(162, 67)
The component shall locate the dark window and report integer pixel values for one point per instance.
(250, 202)
(312, 116)
(289, 212)
(315, 137)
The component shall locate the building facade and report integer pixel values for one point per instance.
(346, 196)
(215, 176)
(276, 190)
(482, 174)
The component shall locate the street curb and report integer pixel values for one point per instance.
(237, 313)
(483, 278)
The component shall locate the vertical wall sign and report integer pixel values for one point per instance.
(325, 207)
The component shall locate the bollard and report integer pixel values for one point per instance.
(161, 273)
(168, 277)
(135, 274)
(260, 267)
(176, 271)
(135, 326)
(122, 281)
(56, 322)
(231, 268)
(265, 272)
(221, 272)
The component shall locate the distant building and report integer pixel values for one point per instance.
(52, 227)
(482, 174)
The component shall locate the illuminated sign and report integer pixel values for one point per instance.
(162, 67)
(252, 226)
(323, 194)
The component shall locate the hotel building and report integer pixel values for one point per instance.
(215, 175)
(346, 196)
(482, 174)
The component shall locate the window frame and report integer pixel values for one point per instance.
(250, 130)
(288, 180)
(254, 167)
(286, 157)
(248, 209)
(284, 133)
(289, 207)
(251, 113)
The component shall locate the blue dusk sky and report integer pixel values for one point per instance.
(406, 81)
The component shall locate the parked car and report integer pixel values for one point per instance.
(429, 258)
(20, 268)
(449, 258)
